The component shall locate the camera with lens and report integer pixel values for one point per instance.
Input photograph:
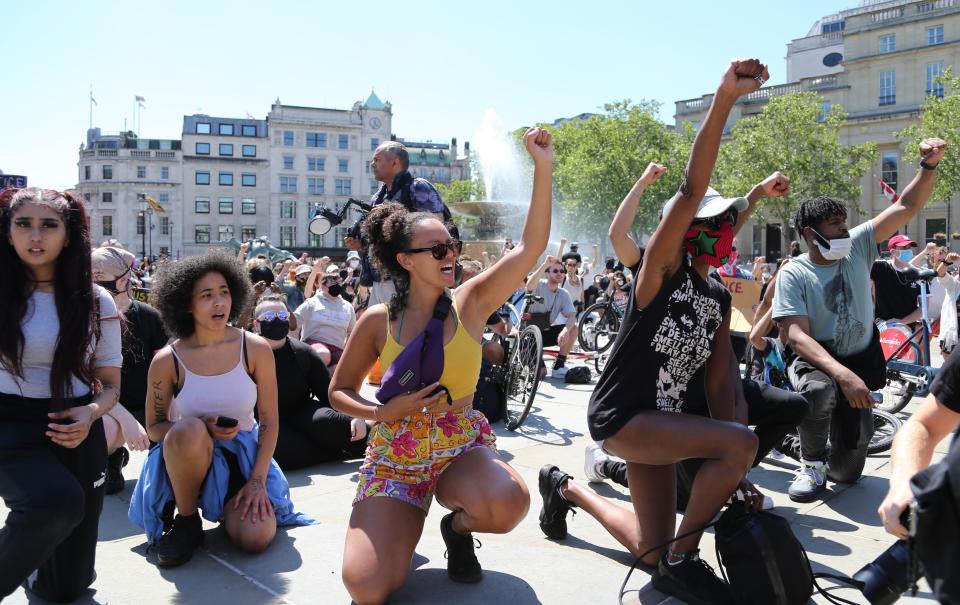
(356, 233)
(896, 570)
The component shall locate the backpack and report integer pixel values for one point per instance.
(578, 375)
(489, 397)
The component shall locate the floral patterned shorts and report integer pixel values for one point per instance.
(406, 457)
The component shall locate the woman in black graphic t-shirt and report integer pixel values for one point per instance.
(677, 321)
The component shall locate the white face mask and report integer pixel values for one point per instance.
(833, 249)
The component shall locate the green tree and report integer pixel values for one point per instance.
(939, 117)
(794, 136)
(456, 191)
(598, 160)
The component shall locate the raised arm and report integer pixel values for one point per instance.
(916, 194)
(534, 278)
(775, 185)
(483, 294)
(626, 249)
(662, 256)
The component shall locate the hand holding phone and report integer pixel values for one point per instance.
(226, 422)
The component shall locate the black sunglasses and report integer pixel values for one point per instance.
(715, 222)
(439, 251)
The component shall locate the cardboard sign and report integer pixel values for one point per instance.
(141, 294)
(745, 296)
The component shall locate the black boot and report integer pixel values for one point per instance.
(462, 564)
(177, 545)
(115, 463)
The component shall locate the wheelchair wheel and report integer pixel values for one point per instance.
(885, 427)
(523, 376)
(897, 393)
(598, 327)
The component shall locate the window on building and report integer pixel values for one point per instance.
(935, 34)
(203, 148)
(248, 179)
(288, 138)
(288, 162)
(202, 177)
(342, 186)
(888, 87)
(288, 209)
(249, 151)
(163, 198)
(164, 225)
(86, 173)
(832, 27)
(315, 185)
(141, 222)
(288, 235)
(888, 43)
(203, 127)
(248, 232)
(226, 205)
(248, 206)
(316, 139)
(226, 130)
(374, 143)
(889, 168)
(226, 148)
(288, 184)
(225, 233)
(343, 141)
(225, 179)
(201, 234)
(935, 228)
(925, 7)
(248, 130)
(343, 165)
(934, 71)
(107, 197)
(316, 164)
(141, 172)
(314, 240)
(107, 172)
(107, 226)
(201, 205)
(164, 173)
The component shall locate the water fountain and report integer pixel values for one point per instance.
(506, 186)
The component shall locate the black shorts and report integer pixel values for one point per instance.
(551, 334)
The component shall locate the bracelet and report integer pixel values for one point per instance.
(925, 166)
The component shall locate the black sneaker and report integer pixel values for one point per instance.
(177, 545)
(692, 580)
(553, 515)
(462, 564)
(115, 462)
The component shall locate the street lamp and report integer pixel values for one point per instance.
(149, 227)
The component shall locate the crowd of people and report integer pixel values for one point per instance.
(242, 367)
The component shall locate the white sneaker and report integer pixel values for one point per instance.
(559, 372)
(593, 459)
(809, 482)
(774, 455)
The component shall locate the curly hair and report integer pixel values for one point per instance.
(172, 289)
(74, 295)
(391, 228)
(816, 210)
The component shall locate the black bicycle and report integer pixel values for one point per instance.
(519, 376)
(598, 326)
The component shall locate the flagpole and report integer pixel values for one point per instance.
(91, 107)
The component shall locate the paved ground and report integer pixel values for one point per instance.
(841, 533)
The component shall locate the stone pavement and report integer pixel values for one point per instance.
(841, 533)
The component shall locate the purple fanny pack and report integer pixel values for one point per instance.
(421, 362)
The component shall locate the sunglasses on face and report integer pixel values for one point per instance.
(715, 222)
(439, 251)
(555, 271)
(271, 315)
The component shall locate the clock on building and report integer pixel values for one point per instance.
(375, 123)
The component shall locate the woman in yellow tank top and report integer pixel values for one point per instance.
(422, 445)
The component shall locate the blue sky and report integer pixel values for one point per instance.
(441, 64)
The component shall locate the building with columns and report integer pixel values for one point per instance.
(878, 61)
(116, 172)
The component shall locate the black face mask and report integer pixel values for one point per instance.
(110, 286)
(335, 290)
(275, 329)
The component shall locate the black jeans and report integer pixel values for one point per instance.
(55, 496)
(773, 412)
(314, 434)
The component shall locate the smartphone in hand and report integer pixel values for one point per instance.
(226, 422)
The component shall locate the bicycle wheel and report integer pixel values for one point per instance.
(885, 427)
(600, 362)
(897, 393)
(586, 334)
(523, 376)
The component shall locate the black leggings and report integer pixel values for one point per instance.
(55, 496)
(314, 434)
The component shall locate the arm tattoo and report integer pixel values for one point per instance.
(263, 429)
(159, 411)
(256, 483)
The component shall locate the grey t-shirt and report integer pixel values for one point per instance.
(557, 303)
(836, 297)
(41, 329)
